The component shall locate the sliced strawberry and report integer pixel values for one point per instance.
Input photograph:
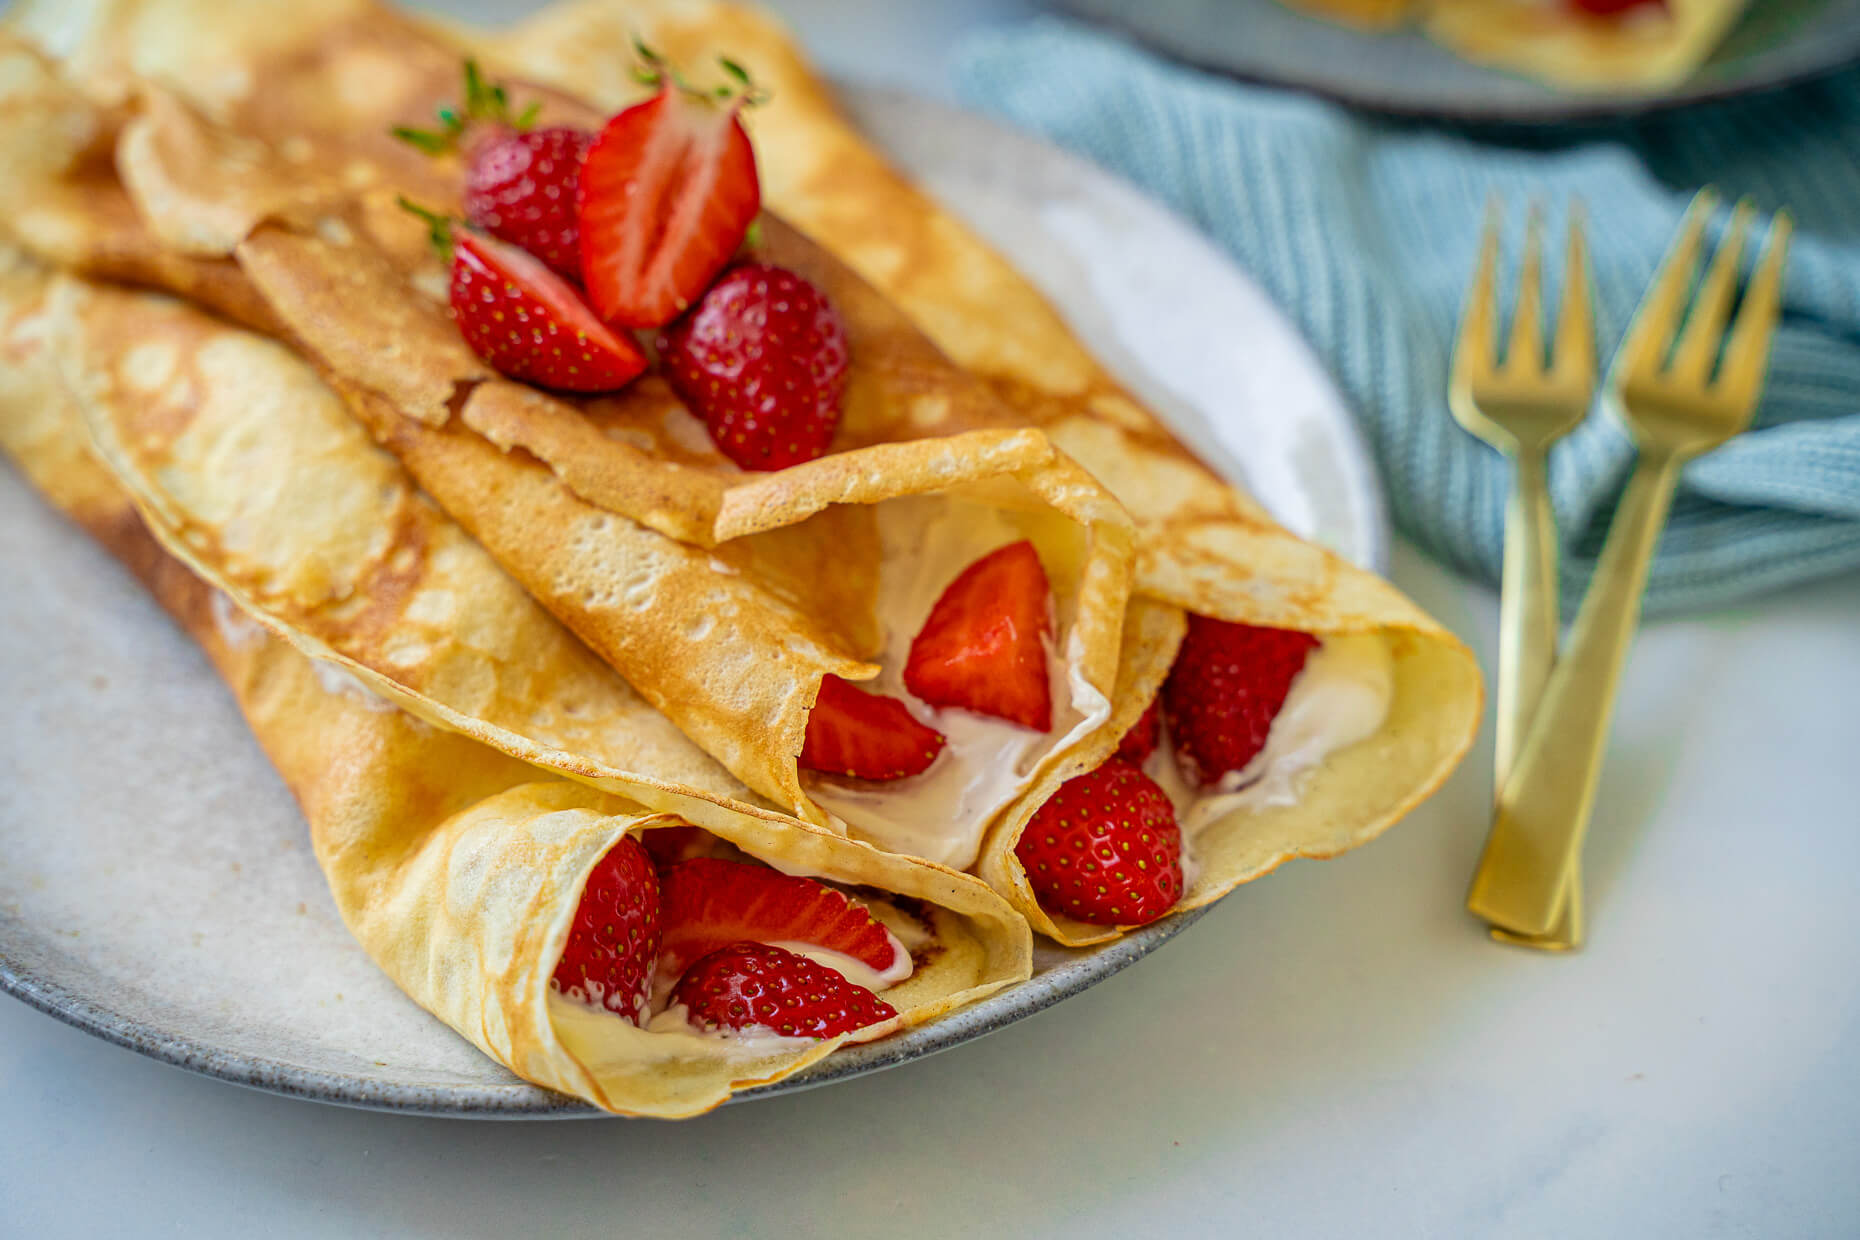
(1227, 685)
(521, 188)
(710, 903)
(763, 361)
(1613, 8)
(1105, 848)
(614, 941)
(529, 323)
(984, 646)
(667, 193)
(755, 986)
(865, 735)
(1140, 742)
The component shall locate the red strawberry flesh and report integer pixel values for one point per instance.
(762, 360)
(667, 192)
(1105, 848)
(1140, 742)
(756, 986)
(865, 735)
(983, 647)
(1228, 684)
(614, 940)
(521, 188)
(710, 903)
(530, 324)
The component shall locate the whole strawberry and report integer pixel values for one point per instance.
(1227, 685)
(759, 986)
(1105, 848)
(520, 182)
(614, 941)
(520, 187)
(762, 359)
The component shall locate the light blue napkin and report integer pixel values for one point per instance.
(1364, 230)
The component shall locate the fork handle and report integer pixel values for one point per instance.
(1527, 606)
(1536, 842)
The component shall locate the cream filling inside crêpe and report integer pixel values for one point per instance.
(1339, 698)
(597, 1036)
(942, 814)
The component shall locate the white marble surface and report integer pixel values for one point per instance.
(1335, 1051)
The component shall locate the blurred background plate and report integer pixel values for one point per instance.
(156, 883)
(1778, 42)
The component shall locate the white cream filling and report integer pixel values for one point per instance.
(941, 814)
(1339, 698)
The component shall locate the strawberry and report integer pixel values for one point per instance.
(1105, 848)
(521, 187)
(984, 645)
(865, 735)
(755, 986)
(1140, 742)
(667, 193)
(1227, 685)
(669, 845)
(1613, 8)
(524, 319)
(614, 941)
(520, 182)
(763, 361)
(710, 903)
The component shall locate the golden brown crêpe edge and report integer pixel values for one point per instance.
(457, 867)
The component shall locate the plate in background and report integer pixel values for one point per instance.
(1777, 42)
(156, 884)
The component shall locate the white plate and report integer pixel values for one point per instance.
(156, 884)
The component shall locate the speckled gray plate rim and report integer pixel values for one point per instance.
(1401, 72)
(156, 884)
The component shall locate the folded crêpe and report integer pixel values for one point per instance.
(723, 597)
(457, 867)
(1201, 546)
(1654, 46)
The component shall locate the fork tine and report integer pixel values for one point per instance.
(1711, 309)
(1479, 320)
(1525, 353)
(1748, 352)
(1573, 352)
(1658, 316)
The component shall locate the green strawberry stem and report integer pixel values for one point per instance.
(438, 227)
(656, 70)
(486, 103)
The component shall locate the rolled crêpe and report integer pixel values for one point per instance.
(459, 868)
(723, 597)
(1202, 546)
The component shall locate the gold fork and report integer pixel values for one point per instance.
(1521, 406)
(1675, 408)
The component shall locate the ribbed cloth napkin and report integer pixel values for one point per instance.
(1365, 230)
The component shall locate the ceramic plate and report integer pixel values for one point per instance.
(156, 882)
(1779, 41)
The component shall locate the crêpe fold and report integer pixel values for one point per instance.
(1201, 546)
(765, 585)
(457, 867)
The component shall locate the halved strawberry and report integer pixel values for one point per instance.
(614, 941)
(524, 319)
(1140, 742)
(865, 735)
(763, 361)
(755, 986)
(984, 645)
(1105, 848)
(710, 903)
(667, 193)
(1227, 685)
